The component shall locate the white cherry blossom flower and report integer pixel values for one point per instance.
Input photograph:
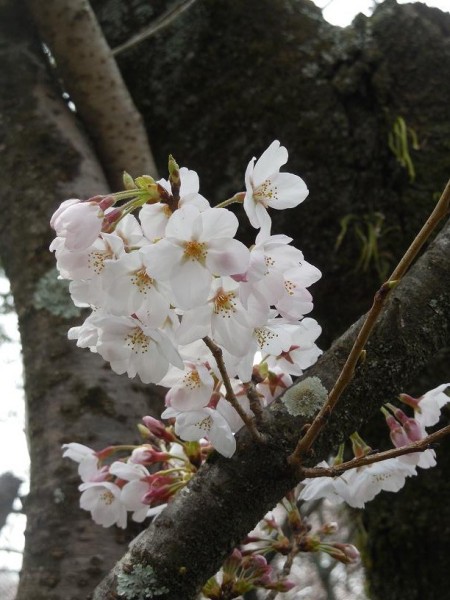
(223, 317)
(129, 289)
(103, 502)
(358, 486)
(193, 388)
(197, 245)
(204, 423)
(301, 350)
(134, 347)
(266, 186)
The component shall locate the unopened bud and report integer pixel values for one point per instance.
(128, 181)
(158, 429)
(174, 178)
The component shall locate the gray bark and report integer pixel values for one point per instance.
(71, 395)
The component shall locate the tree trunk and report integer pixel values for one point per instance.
(71, 394)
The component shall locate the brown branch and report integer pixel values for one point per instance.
(92, 78)
(419, 446)
(440, 211)
(230, 395)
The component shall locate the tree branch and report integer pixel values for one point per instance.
(191, 538)
(92, 78)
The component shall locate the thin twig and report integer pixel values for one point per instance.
(346, 375)
(230, 395)
(286, 567)
(163, 21)
(419, 446)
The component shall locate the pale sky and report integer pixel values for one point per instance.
(13, 450)
(342, 12)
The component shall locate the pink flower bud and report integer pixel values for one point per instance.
(157, 428)
(410, 401)
(147, 454)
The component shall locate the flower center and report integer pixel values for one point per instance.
(194, 250)
(107, 497)
(205, 424)
(192, 380)
(290, 287)
(263, 336)
(142, 281)
(265, 192)
(137, 340)
(96, 260)
(224, 303)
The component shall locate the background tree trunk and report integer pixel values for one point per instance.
(71, 395)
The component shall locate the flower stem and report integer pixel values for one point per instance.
(230, 395)
(236, 199)
(440, 211)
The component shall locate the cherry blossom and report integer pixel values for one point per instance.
(134, 347)
(266, 186)
(204, 423)
(196, 246)
(104, 503)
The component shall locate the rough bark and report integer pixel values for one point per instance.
(90, 75)
(71, 395)
(189, 541)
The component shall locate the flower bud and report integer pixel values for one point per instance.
(128, 181)
(157, 428)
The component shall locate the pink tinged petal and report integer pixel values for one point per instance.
(227, 257)
(80, 224)
(270, 162)
(61, 209)
(218, 223)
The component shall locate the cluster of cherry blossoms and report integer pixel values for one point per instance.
(137, 479)
(168, 285)
(360, 485)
